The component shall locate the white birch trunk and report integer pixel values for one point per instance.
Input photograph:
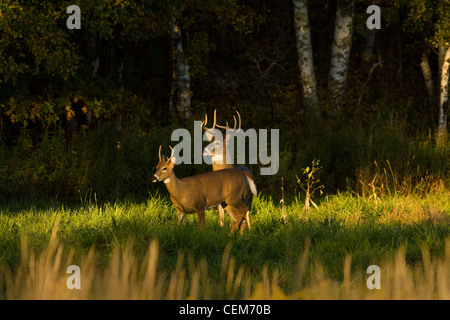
(184, 88)
(173, 90)
(340, 51)
(427, 75)
(441, 56)
(305, 55)
(443, 97)
(181, 93)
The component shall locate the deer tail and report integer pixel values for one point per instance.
(251, 183)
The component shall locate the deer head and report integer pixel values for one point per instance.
(217, 148)
(165, 166)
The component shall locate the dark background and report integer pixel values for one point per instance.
(242, 56)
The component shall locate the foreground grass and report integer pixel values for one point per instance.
(287, 253)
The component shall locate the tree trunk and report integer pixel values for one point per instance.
(305, 55)
(443, 99)
(181, 82)
(427, 75)
(441, 57)
(173, 92)
(340, 51)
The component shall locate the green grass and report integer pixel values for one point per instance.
(345, 224)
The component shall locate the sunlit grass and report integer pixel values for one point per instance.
(135, 250)
(44, 277)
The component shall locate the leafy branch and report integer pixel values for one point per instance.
(310, 184)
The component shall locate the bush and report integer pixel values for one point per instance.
(102, 163)
(105, 163)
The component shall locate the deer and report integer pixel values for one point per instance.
(221, 162)
(195, 194)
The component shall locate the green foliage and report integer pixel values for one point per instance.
(198, 54)
(249, 47)
(102, 163)
(20, 109)
(310, 184)
(428, 17)
(42, 63)
(442, 27)
(140, 20)
(33, 42)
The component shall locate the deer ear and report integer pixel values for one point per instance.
(173, 159)
(163, 158)
(229, 135)
(209, 135)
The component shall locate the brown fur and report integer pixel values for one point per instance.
(249, 198)
(197, 193)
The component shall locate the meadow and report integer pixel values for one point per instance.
(364, 150)
(380, 197)
(135, 250)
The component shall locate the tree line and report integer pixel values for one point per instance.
(136, 61)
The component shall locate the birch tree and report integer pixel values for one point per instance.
(433, 19)
(340, 51)
(305, 55)
(443, 98)
(442, 41)
(181, 82)
(427, 75)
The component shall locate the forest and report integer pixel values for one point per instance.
(357, 89)
(136, 70)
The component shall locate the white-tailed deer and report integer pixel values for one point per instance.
(197, 193)
(219, 152)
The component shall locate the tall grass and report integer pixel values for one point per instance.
(136, 251)
(123, 277)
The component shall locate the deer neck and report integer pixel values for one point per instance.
(221, 161)
(221, 166)
(172, 184)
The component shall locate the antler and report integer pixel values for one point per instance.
(204, 127)
(227, 127)
(165, 159)
(239, 119)
(171, 156)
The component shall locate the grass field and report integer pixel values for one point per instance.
(136, 250)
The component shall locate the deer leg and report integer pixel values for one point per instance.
(181, 215)
(238, 223)
(221, 214)
(240, 210)
(248, 202)
(232, 212)
(247, 219)
(245, 222)
(201, 219)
